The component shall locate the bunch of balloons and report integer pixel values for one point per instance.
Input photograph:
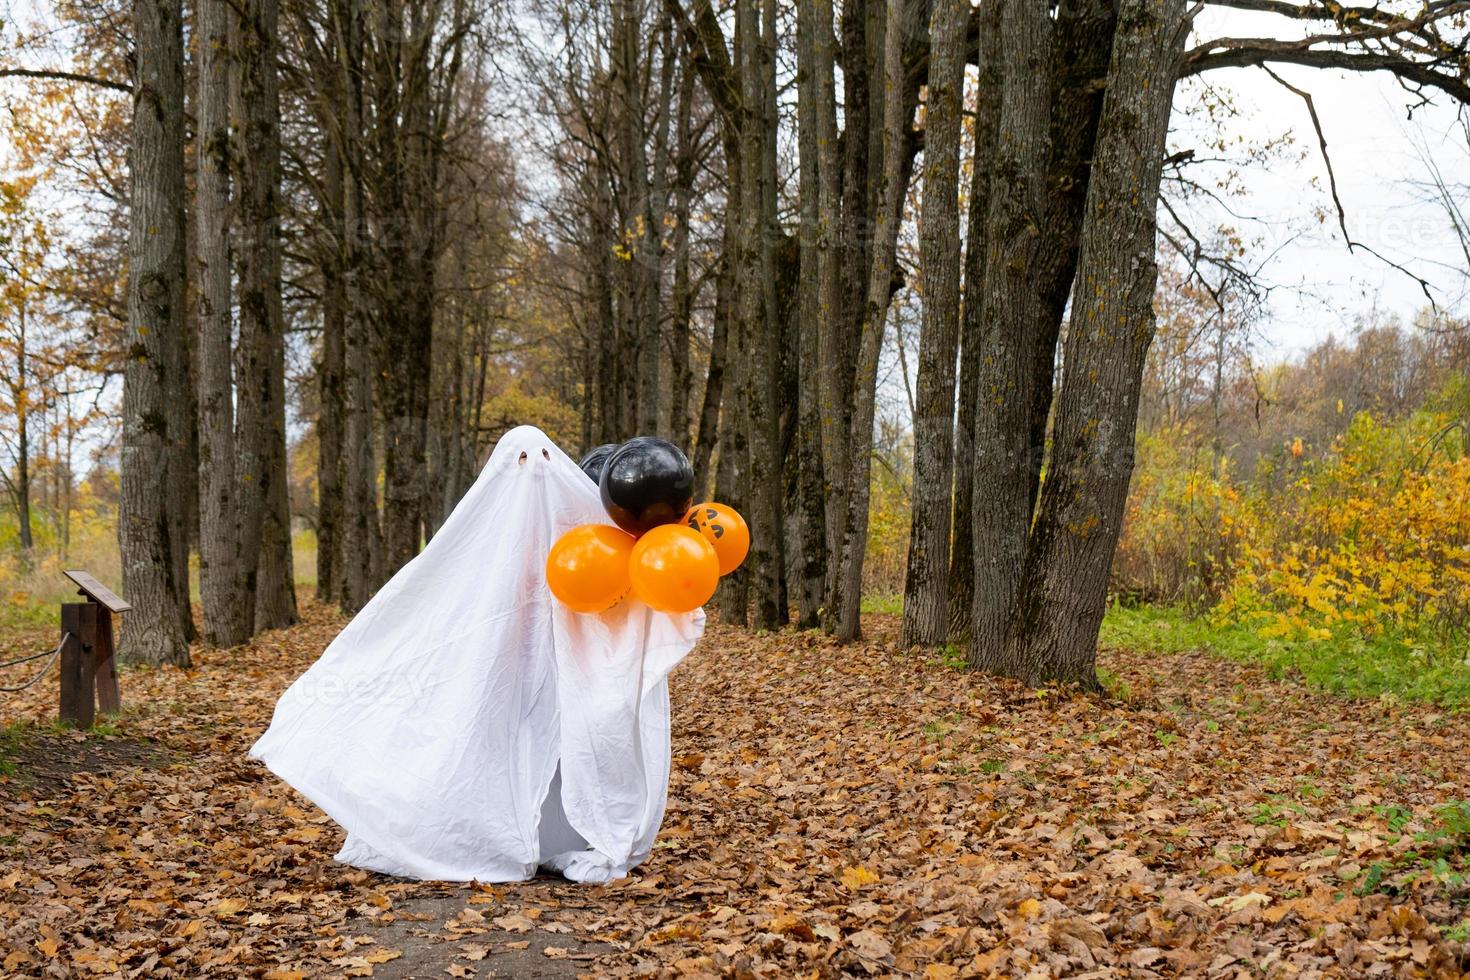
(665, 551)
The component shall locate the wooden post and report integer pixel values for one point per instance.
(104, 665)
(78, 700)
(88, 665)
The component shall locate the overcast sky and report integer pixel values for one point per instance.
(1372, 142)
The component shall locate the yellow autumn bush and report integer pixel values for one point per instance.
(1182, 526)
(1367, 538)
(1371, 539)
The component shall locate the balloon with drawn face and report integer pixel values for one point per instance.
(723, 528)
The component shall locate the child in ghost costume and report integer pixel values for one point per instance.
(466, 725)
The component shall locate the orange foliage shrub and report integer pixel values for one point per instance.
(1367, 538)
(1372, 539)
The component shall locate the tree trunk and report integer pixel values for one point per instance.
(755, 303)
(712, 407)
(275, 589)
(609, 375)
(850, 246)
(640, 231)
(408, 144)
(811, 561)
(154, 334)
(1064, 591)
(260, 368)
(830, 380)
(926, 588)
(1011, 324)
(359, 471)
(21, 399)
(848, 598)
(330, 392)
(682, 297)
(987, 125)
(183, 412)
(732, 481)
(1084, 43)
(223, 582)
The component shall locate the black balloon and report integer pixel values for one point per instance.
(593, 463)
(647, 482)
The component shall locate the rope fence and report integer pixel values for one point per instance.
(35, 656)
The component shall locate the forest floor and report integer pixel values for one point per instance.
(832, 811)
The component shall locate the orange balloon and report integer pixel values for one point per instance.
(587, 568)
(723, 528)
(674, 569)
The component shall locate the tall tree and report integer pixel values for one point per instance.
(926, 588)
(260, 356)
(757, 326)
(1064, 591)
(414, 58)
(225, 581)
(828, 363)
(810, 561)
(332, 364)
(686, 160)
(149, 522)
(1009, 320)
(361, 534)
(847, 598)
(986, 124)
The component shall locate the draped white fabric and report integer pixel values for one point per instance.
(465, 725)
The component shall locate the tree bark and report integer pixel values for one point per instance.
(811, 561)
(260, 365)
(1083, 46)
(330, 392)
(610, 397)
(712, 407)
(830, 381)
(1011, 324)
(755, 303)
(926, 587)
(987, 125)
(223, 582)
(148, 521)
(732, 481)
(851, 261)
(640, 234)
(183, 408)
(20, 398)
(360, 529)
(413, 86)
(1064, 591)
(848, 599)
(682, 296)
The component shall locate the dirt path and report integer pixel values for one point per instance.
(832, 811)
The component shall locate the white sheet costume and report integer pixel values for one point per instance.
(467, 726)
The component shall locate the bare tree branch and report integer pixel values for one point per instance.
(65, 76)
(1352, 245)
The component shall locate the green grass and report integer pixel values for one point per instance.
(1353, 667)
(887, 605)
(12, 737)
(1439, 854)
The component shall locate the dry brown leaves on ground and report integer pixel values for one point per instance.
(832, 811)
